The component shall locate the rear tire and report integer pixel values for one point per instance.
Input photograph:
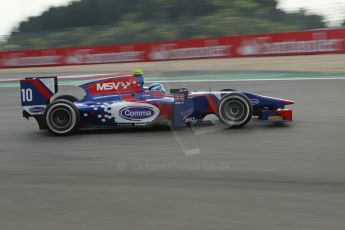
(61, 118)
(67, 98)
(227, 90)
(235, 110)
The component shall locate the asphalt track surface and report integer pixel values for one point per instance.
(258, 177)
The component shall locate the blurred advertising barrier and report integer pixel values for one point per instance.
(280, 44)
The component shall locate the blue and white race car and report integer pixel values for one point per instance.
(115, 101)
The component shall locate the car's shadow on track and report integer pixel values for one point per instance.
(285, 125)
(123, 130)
(253, 126)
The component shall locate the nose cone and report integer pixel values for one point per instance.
(288, 102)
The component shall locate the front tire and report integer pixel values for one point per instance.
(235, 110)
(61, 117)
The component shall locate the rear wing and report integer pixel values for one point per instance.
(35, 94)
(37, 91)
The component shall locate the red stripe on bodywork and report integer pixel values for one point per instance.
(42, 89)
(212, 105)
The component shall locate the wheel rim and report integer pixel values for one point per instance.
(234, 110)
(61, 118)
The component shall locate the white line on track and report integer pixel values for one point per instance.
(9, 80)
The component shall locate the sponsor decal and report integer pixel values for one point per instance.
(169, 51)
(88, 56)
(112, 85)
(264, 45)
(134, 113)
(255, 101)
(104, 96)
(18, 60)
(36, 110)
(275, 118)
(180, 97)
(190, 120)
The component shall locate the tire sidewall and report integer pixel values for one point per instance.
(74, 116)
(247, 103)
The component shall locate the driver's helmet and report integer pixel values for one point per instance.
(157, 87)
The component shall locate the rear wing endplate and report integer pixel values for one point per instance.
(35, 93)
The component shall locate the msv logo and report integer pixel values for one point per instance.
(112, 86)
(133, 113)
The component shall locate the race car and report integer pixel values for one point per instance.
(124, 101)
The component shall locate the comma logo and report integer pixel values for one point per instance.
(136, 113)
